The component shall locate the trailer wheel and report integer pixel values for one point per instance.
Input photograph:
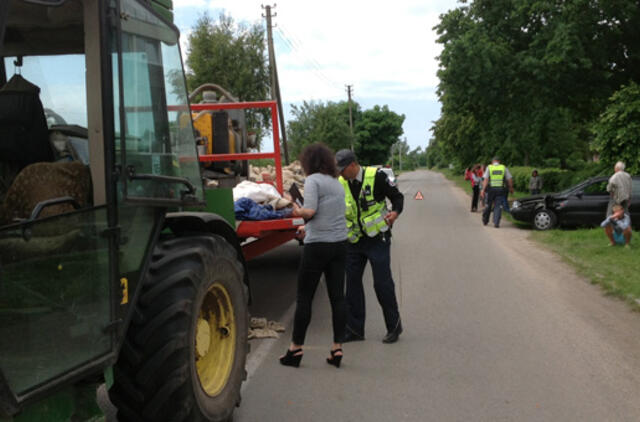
(184, 355)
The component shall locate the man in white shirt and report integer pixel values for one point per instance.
(619, 187)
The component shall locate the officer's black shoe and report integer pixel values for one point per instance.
(350, 336)
(392, 336)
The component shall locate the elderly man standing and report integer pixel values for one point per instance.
(369, 231)
(619, 188)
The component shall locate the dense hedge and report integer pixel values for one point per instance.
(555, 179)
(551, 178)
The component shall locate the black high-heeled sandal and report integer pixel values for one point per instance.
(292, 358)
(335, 359)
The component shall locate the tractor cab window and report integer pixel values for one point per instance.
(43, 123)
(155, 141)
(55, 286)
(60, 80)
(43, 103)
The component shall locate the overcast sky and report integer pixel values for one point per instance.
(386, 50)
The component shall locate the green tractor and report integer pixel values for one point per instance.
(111, 270)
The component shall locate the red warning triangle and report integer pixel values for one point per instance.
(419, 196)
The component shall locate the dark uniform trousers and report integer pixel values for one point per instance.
(376, 250)
(494, 200)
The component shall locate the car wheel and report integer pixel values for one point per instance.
(544, 219)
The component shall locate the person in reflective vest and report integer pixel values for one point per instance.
(496, 181)
(367, 220)
(369, 225)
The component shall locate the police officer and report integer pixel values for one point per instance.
(368, 224)
(495, 183)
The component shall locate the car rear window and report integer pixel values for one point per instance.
(635, 190)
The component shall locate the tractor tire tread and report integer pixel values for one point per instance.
(153, 380)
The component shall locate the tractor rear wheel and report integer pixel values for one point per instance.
(184, 355)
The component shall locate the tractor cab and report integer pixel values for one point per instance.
(91, 159)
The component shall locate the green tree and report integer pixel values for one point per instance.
(416, 158)
(525, 79)
(405, 158)
(376, 130)
(434, 156)
(234, 57)
(617, 132)
(319, 122)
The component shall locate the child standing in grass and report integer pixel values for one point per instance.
(535, 183)
(618, 227)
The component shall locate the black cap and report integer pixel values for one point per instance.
(344, 157)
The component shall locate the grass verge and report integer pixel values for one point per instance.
(615, 269)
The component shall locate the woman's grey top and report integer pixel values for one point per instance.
(325, 195)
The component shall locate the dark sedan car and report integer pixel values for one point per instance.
(584, 204)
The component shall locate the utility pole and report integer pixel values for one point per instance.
(349, 87)
(275, 86)
(392, 155)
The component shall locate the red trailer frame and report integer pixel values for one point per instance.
(258, 237)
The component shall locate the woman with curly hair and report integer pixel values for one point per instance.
(324, 250)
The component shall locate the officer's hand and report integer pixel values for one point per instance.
(391, 217)
(482, 194)
(300, 233)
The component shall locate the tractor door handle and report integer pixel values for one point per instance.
(50, 202)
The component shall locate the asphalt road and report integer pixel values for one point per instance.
(496, 329)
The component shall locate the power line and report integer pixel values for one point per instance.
(297, 48)
(309, 63)
(317, 73)
(297, 45)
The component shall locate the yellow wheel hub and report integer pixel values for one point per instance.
(215, 340)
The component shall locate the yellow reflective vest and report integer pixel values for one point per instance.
(364, 213)
(497, 174)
